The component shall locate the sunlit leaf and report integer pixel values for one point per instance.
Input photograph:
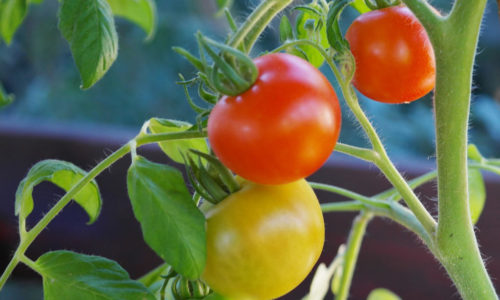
(141, 12)
(63, 174)
(12, 14)
(176, 149)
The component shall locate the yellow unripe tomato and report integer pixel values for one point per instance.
(263, 240)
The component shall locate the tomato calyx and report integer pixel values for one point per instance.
(231, 72)
(209, 177)
(185, 289)
(379, 4)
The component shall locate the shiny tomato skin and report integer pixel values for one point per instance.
(263, 240)
(394, 57)
(283, 128)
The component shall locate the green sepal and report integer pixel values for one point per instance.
(286, 32)
(333, 31)
(360, 6)
(198, 64)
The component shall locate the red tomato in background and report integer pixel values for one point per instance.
(280, 130)
(394, 57)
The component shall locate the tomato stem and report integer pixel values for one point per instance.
(258, 20)
(352, 252)
(28, 238)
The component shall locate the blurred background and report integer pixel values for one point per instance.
(38, 68)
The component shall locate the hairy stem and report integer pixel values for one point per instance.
(455, 52)
(351, 253)
(258, 20)
(31, 235)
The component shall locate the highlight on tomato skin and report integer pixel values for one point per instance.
(283, 128)
(263, 240)
(394, 57)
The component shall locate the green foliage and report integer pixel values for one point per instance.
(310, 26)
(63, 174)
(69, 275)
(360, 6)
(12, 14)
(171, 223)
(89, 28)
(141, 12)
(176, 149)
(477, 194)
(5, 99)
(382, 294)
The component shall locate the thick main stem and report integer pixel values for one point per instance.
(454, 39)
(454, 62)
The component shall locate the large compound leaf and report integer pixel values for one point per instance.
(63, 174)
(171, 223)
(69, 275)
(141, 12)
(89, 28)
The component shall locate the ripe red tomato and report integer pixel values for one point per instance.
(263, 240)
(283, 128)
(394, 57)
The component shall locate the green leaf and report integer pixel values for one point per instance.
(334, 34)
(171, 223)
(474, 154)
(141, 12)
(176, 149)
(382, 294)
(360, 6)
(477, 194)
(63, 174)
(12, 14)
(69, 275)
(5, 99)
(308, 27)
(286, 32)
(89, 28)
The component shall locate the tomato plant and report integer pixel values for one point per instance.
(263, 240)
(394, 57)
(257, 235)
(283, 128)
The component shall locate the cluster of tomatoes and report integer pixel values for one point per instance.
(263, 240)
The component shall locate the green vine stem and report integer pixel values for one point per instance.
(378, 155)
(32, 234)
(352, 252)
(251, 29)
(454, 39)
